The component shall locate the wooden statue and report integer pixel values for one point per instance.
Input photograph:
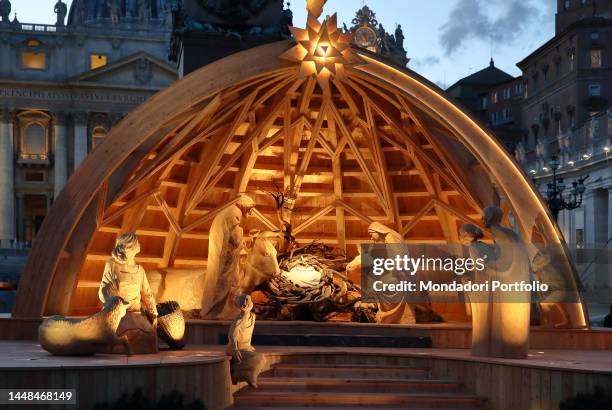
(391, 312)
(481, 303)
(509, 319)
(222, 281)
(64, 336)
(125, 278)
(553, 312)
(246, 364)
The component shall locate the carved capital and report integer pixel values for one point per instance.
(6, 115)
(80, 117)
(59, 117)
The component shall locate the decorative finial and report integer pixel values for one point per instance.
(322, 49)
(492, 63)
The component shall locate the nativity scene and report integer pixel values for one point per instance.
(268, 179)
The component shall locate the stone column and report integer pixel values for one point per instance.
(60, 170)
(20, 217)
(7, 179)
(80, 138)
(609, 212)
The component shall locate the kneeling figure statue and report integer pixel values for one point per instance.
(123, 277)
(246, 364)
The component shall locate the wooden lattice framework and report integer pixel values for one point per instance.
(381, 144)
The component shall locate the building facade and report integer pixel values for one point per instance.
(560, 109)
(62, 88)
(495, 98)
(567, 85)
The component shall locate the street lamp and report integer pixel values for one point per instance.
(554, 192)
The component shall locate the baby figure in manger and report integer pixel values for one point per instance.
(246, 363)
(125, 278)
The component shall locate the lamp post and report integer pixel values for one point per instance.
(554, 192)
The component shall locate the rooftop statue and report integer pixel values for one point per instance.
(61, 10)
(5, 10)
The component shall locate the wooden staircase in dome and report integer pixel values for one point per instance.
(353, 385)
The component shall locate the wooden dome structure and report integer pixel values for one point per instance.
(359, 142)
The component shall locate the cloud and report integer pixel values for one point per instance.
(425, 62)
(502, 21)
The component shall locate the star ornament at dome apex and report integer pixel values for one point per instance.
(322, 50)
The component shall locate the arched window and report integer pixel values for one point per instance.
(34, 135)
(97, 136)
(35, 143)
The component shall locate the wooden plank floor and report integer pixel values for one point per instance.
(29, 354)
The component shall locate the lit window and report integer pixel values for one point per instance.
(484, 102)
(33, 43)
(594, 90)
(494, 97)
(33, 60)
(97, 61)
(595, 35)
(567, 4)
(595, 58)
(97, 136)
(572, 57)
(35, 140)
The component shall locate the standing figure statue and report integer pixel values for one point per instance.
(115, 11)
(61, 10)
(482, 305)
(399, 37)
(246, 364)
(143, 9)
(5, 10)
(509, 312)
(125, 278)
(222, 281)
(390, 310)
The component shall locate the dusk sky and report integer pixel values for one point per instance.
(445, 39)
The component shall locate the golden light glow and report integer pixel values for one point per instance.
(33, 60)
(322, 49)
(97, 61)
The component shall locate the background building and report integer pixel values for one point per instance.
(495, 98)
(62, 87)
(561, 105)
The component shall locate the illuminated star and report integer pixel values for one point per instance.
(322, 50)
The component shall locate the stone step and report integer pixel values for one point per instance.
(346, 371)
(249, 398)
(378, 385)
(336, 340)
